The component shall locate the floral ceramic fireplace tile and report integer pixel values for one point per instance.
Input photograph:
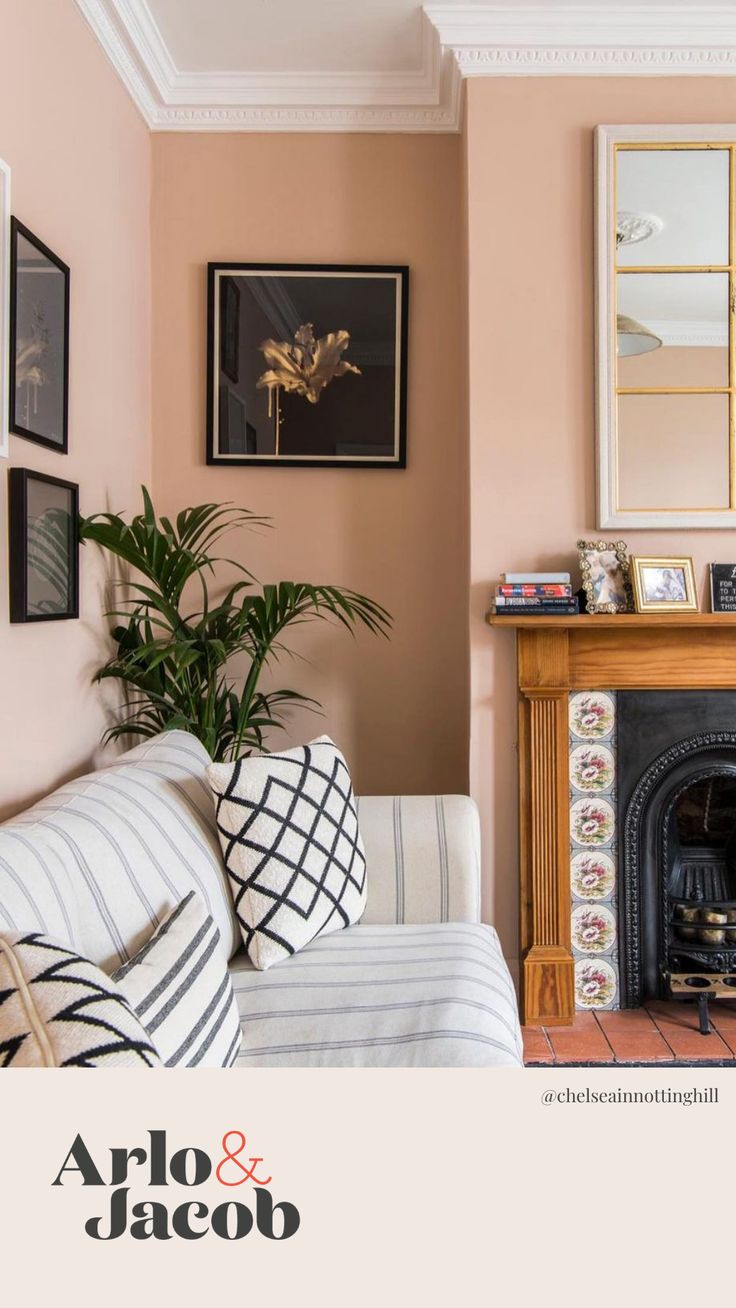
(594, 848)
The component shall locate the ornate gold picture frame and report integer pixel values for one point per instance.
(664, 584)
(605, 571)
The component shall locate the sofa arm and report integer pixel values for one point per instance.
(423, 858)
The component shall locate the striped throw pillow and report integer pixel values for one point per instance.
(98, 863)
(181, 991)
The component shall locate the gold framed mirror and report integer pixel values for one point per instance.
(665, 298)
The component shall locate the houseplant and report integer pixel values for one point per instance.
(175, 656)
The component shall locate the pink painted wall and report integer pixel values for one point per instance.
(80, 160)
(530, 248)
(397, 708)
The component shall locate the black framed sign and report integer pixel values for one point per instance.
(306, 364)
(39, 341)
(43, 519)
(723, 587)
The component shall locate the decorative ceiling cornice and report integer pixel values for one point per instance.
(588, 40)
(426, 99)
(458, 41)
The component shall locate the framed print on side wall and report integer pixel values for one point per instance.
(4, 303)
(306, 365)
(39, 341)
(43, 522)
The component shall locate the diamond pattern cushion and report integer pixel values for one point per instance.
(181, 990)
(289, 834)
(59, 1010)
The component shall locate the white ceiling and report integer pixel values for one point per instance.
(380, 65)
(280, 35)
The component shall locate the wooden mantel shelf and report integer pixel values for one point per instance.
(583, 621)
(554, 656)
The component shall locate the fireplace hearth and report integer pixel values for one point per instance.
(677, 811)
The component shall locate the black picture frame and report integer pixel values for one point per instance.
(44, 559)
(20, 422)
(722, 587)
(387, 398)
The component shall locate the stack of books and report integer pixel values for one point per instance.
(530, 594)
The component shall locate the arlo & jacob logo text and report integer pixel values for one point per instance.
(189, 1167)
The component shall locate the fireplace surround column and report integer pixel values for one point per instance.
(547, 964)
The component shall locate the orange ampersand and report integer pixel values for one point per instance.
(231, 1156)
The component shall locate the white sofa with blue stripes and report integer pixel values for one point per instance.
(420, 982)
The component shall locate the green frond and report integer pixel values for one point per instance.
(174, 666)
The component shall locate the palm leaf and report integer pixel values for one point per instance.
(174, 665)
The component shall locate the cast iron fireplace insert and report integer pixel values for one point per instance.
(677, 824)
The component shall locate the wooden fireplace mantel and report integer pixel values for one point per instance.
(686, 651)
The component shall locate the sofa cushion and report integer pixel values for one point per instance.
(59, 1010)
(399, 996)
(180, 989)
(100, 862)
(291, 844)
(423, 858)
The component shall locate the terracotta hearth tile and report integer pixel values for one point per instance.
(629, 1019)
(583, 1042)
(678, 1024)
(633, 1036)
(537, 1048)
(723, 1018)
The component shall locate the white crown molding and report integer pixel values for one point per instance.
(584, 40)
(116, 45)
(458, 41)
(426, 99)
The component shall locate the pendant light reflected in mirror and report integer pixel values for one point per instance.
(633, 337)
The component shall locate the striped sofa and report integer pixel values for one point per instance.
(419, 982)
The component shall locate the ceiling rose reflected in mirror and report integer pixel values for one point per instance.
(632, 337)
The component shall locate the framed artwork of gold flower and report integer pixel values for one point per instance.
(307, 364)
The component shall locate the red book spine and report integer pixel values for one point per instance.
(533, 590)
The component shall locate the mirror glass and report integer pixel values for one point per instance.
(688, 314)
(673, 452)
(686, 192)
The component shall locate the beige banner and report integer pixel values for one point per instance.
(426, 1187)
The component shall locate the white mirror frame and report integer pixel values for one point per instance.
(606, 138)
(4, 305)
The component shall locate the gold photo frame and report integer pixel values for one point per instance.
(664, 584)
(604, 566)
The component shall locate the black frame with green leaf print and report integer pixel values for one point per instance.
(55, 553)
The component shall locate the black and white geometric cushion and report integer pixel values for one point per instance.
(60, 1010)
(289, 832)
(180, 989)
